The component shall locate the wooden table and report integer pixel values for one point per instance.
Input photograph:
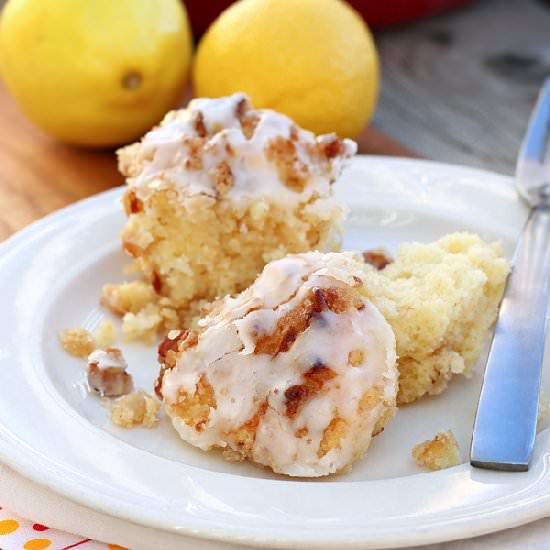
(459, 88)
(39, 175)
(455, 88)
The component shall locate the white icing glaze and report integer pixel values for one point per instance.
(106, 359)
(163, 153)
(243, 381)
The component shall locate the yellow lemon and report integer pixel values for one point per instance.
(95, 72)
(313, 60)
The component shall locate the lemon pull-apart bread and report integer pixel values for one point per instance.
(296, 373)
(215, 192)
(440, 299)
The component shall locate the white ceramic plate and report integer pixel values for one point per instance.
(55, 433)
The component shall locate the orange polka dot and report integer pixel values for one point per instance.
(37, 544)
(8, 526)
(116, 547)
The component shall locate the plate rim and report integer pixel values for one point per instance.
(452, 531)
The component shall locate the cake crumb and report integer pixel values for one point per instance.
(231, 455)
(105, 334)
(143, 325)
(129, 297)
(438, 453)
(107, 373)
(137, 408)
(77, 341)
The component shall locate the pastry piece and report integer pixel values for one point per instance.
(105, 334)
(77, 341)
(215, 192)
(438, 453)
(296, 373)
(135, 409)
(440, 299)
(107, 374)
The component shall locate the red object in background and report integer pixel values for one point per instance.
(377, 13)
(382, 13)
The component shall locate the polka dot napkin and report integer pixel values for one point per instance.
(20, 534)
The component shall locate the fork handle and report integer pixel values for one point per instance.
(506, 420)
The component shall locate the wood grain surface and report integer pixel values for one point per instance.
(39, 175)
(456, 88)
(460, 87)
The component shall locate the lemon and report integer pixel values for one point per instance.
(313, 60)
(95, 72)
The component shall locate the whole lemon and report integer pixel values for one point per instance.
(95, 72)
(313, 60)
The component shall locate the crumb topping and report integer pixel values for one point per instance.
(225, 148)
(438, 453)
(78, 342)
(135, 409)
(379, 258)
(313, 381)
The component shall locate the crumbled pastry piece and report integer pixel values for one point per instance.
(438, 453)
(296, 373)
(143, 325)
(379, 258)
(105, 334)
(127, 297)
(77, 341)
(440, 299)
(223, 184)
(137, 408)
(107, 373)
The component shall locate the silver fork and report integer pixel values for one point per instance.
(506, 420)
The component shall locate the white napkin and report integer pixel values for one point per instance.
(35, 502)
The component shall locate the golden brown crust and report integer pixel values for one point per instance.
(293, 173)
(248, 118)
(291, 325)
(131, 204)
(378, 258)
(243, 437)
(223, 178)
(174, 342)
(194, 409)
(198, 124)
(332, 148)
(314, 379)
(132, 249)
(332, 436)
(373, 398)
